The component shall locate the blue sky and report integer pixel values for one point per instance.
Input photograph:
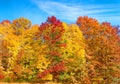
(66, 10)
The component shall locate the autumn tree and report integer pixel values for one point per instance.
(3, 49)
(111, 52)
(65, 50)
(102, 48)
(17, 50)
(51, 32)
(74, 54)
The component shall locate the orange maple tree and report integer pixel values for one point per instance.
(103, 50)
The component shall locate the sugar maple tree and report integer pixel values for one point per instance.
(102, 49)
(64, 49)
(16, 48)
(74, 53)
(50, 33)
(4, 52)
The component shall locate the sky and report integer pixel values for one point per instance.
(66, 10)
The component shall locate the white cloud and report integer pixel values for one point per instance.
(70, 11)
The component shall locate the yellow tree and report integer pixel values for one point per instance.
(74, 53)
(19, 41)
(4, 52)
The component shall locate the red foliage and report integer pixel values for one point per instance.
(52, 31)
(5, 21)
(1, 76)
(53, 69)
(55, 54)
(58, 67)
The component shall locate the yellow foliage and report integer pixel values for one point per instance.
(42, 63)
(48, 77)
(74, 40)
(73, 53)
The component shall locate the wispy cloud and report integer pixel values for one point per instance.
(71, 11)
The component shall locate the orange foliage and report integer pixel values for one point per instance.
(102, 48)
